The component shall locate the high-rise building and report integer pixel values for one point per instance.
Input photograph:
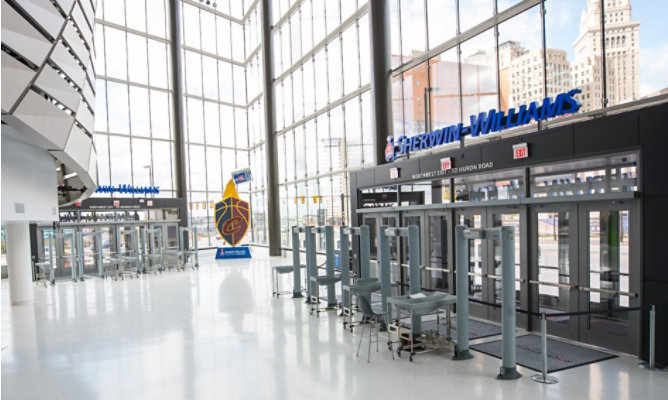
(621, 52)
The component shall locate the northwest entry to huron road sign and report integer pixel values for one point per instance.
(485, 123)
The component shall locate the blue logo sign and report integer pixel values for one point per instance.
(241, 176)
(128, 189)
(485, 123)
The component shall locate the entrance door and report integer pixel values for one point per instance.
(553, 276)
(499, 217)
(610, 277)
(413, 218)
(438, 272)
(478, 285)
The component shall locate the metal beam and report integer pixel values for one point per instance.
(274, 217)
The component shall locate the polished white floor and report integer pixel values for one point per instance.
(218, 333)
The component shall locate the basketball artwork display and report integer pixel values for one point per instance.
(232, 216)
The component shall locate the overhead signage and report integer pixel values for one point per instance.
(241, 176)
(520, 151)
(485, 123)
(128, 189)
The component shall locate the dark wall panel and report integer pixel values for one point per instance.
(606, 134)
(365, 177)
(653, 123)
(655, 221)
(554, 144)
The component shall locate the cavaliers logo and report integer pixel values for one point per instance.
(232, 215)
(389, 149)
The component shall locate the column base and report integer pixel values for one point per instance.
(508, 374)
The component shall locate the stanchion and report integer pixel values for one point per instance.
(543, 377)
(651, 365)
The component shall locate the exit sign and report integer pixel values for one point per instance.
(394, 173)
(446, 164)
(520, 150)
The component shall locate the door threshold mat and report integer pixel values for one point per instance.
(477, 329)
(560, 355)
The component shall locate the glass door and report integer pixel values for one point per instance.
(438, 272)
(499, 217)
(413, 218)
(553, 276)
(476, 218)
(610, 277)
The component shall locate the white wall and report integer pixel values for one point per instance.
(28, 178)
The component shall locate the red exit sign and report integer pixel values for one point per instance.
(446, 164)
(520, 151)
(394, 173)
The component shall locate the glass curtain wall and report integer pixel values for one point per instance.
(133, 124)
(448, 64)
(322, 69)
(224, 121)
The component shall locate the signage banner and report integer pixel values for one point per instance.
(485, 123)
(242, 176)
(233, 252)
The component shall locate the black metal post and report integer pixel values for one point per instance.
(381, 75)
(273, 210)
(177, 108)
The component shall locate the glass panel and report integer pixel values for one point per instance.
(100, 105)
(334, 68)
(311, 148)
(208, 21)
(438, 251)
(321, 92)
(141, 160)
(138, 68)
(136, 15)
(609, 269)
(497, 186)
(307, 29)
(213, 169)
(353, 133)
(333, 15)
(641, 62)
(122, 171)
(323, 150)
(351, 68)
(367, 132)
(553, 263)
(223, 43)
(513, 220)
(416, 82)
(116, 53)
(193, 73)
(102, 148)
(521, 64)
(309, 85)
(157, 56)
(211, 127)
(162, 161)
(139, 116)
(210, 77)
(395, 39)
(119, 118)
(413, 29)
(114, 12)
(195, 120)
(479, 90)
(445, 106)
(197, 167)
(318, 21)
(475, 255)
(160, 117)
(365, 51)
(191, 26)
(225, 88)
(398, 106)
(473, 12)
(156, 19)
(300, 154)
(442, 19)
(580, 38)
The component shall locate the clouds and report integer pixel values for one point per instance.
(653, 61)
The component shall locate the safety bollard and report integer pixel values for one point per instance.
(543, 377)
(651, 365)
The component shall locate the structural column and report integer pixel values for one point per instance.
(381, 75)
(273, 210)
(18, 262)
(178, 109)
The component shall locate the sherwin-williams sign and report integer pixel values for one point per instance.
(485, 123)
(128, 189)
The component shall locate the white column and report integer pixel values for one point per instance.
(18, 262)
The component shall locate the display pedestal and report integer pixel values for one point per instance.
(233, 252)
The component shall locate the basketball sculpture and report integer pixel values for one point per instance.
(232, 215)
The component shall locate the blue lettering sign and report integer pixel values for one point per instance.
(128, 189)
(485, 123)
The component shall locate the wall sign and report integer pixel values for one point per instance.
(520, 151)
(446, 164)
(394, 173)
(485, 123)
(128, 189)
